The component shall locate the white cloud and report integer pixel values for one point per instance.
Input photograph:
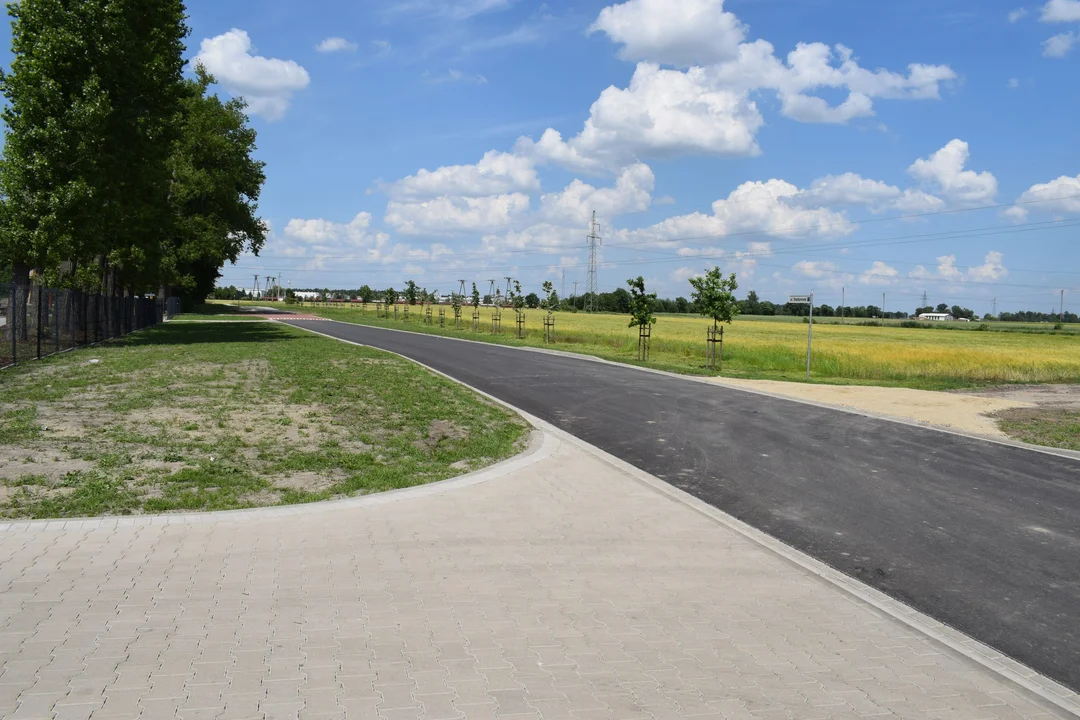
(1057, 196)
(685, 273)
(266, 83)
(707, 108)
(992, 269)
(336, 44)
(771, 208)
(1013, 83)
(1060, 45)
(324, 233)
(663, 113)
(541, 237)
(1061, 11)
(944, 170)
(453, 215)
(879, 274)
(815, 268)
(574, 205)
(851, 189)
(497, 173)
(1017, 15)
(672, 32)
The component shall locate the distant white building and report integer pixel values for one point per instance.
(307, 294)
(939, 317)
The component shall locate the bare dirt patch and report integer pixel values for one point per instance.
(965, 412)
(441, 430)
(18, 462)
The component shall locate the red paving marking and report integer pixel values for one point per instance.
(294, 317)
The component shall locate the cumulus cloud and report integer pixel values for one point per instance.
(879, 273)
(455, 215)
(705, 105)
(1061, 11)
(672, 32)
(1057, 196)
(266, 83)
(663, 113)
(1017, 15)
(815, 268)
(574, 205)
(771, 208)
(336, 44)
(992, 269)
(944, 171)
(325, 233)
(497, 173)
(1060, 45)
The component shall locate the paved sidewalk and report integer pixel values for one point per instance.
(565, 589)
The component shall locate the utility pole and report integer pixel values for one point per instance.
(843, 301)
(563, 290)
(575, 292)
(591, 283)
(1061, 314)
(993, 308)
(882, 306)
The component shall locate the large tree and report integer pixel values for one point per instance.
(93, 94)
(215, 191)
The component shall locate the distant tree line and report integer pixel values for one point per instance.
(119, 174)
(619, 301)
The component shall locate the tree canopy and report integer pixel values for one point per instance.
(714, 296)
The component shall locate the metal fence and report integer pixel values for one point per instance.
(36, 322)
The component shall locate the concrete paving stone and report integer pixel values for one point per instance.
(533, 595)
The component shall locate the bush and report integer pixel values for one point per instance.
(984, 327)
(913, 324)
(1058, 326)
(872, 323)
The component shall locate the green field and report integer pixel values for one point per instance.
(217, 416)
(928, 358)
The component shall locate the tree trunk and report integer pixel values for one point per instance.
(20, 277)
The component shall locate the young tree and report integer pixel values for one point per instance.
(551, 299)
(411, 292)
(714, 296)
(475, 297)
(390, 297)
(516, 298)
(641, 304)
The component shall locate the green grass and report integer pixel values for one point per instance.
(1054, 427)
(884, 355)
(217, 416)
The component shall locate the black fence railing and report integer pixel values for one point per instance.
(36, 321)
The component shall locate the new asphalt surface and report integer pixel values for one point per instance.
(981, 536)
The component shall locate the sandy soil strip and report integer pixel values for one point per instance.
(955, 411)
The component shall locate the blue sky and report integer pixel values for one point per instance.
(925, 146)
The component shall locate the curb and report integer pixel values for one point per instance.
(541, 446)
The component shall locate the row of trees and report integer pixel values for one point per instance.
(119, 174)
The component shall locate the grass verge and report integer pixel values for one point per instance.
(843, 354)
(1050, 426)
(219, 416)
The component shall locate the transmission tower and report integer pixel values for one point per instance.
(591, 284)
(993, 306)
(461, 288)
(255, 288)
(507, 295)
(924, 298)
(491, 291)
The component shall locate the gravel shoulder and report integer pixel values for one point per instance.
(978, 412)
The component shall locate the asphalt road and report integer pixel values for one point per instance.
(981, 536)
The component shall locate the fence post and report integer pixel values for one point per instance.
(38, 322)
(14, 329)
(56, 318)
